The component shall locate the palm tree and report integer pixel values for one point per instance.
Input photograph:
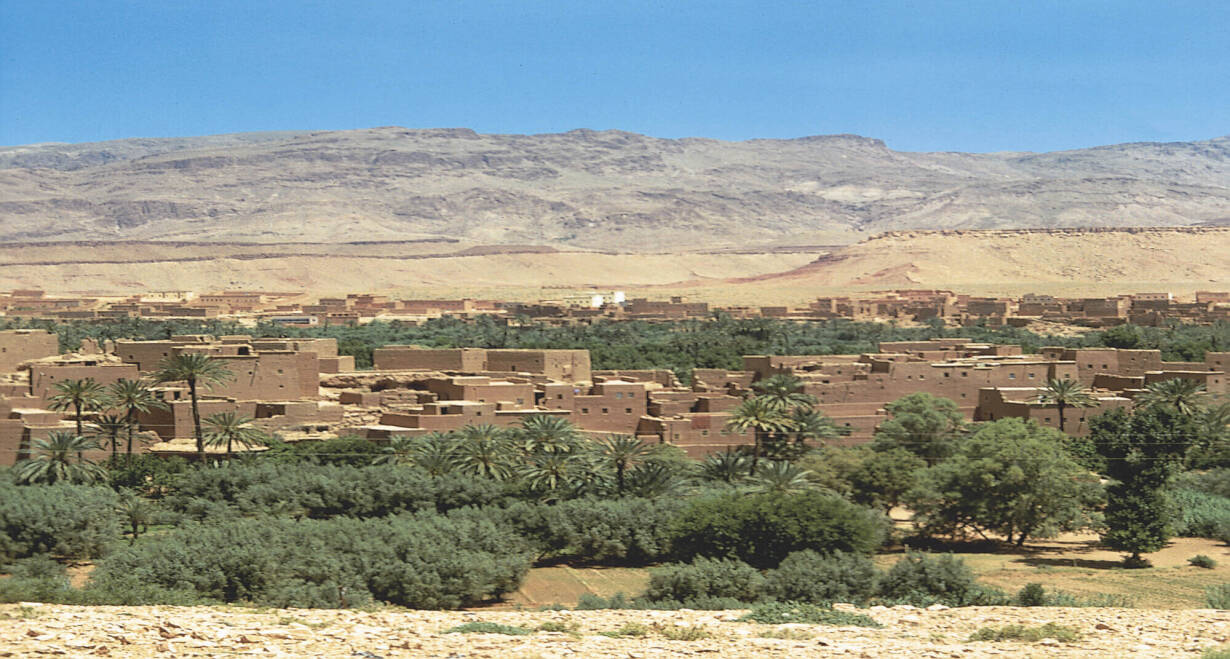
(53, 462)
(762, 417)
(551, 472)
(727, 467)
(483, 451)
(133, 397)
(229, 428)
(136, 512)
(652, 479)
(781, 477)
(195, 368)
(399, 451)
(544, 433)
(1064, 394)
(1187, 396)
(814, 425)
(108, 427)
(78, 395)
(785, 391)
(622, 452)
(433, 453)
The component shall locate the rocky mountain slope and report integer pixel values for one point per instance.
(609, 189)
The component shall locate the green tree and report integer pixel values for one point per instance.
(1212, 450)
(882, 478)
(545, 433)
(780, 477)
(53, 462)
(133, 397)
(784, 391)
(1064, 394)
(195, 369)
(136, 512)
(621, 452)
(1186, 396)
(231, 428)
(484, 451)
(80, 396)
(730, 467)
(108, 427)
(1142, 451)
(927, 426)
(1011, 477)
(763, 418)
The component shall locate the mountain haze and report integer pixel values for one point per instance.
(606, 190)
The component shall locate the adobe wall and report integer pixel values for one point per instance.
(269, 376)
(176, 421)
(564, 365)
(409, 358)
(17, 346)
(43, 377)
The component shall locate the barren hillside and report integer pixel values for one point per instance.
(610, 190)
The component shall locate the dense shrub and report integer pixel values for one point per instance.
(1213, 481)
(628, 530)
(151, 474)
(75, 521)
(806, 576)
(705, 578)
(349, 451)
(323, 491)
(1218, 597)
(1033, 594)
(421, 561)
(1200, 560)
(923, 580)
(1200, 515)
(763, 529)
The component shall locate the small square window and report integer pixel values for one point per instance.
(606, 410)
(627, 410)
(584, 410)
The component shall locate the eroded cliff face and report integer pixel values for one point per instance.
(596, 189)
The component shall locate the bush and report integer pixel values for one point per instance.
(1201, 515)
(1061, 633)
(777, 613)
(1213, 481)
(1200, 560)
(73, 521)
(627, 531)
(806, 576)
(705, 578)
(763, 529)
(348, 451)
(150, 474)
(478, 627)
(1033, 594)
(420, 561)
(1218, 597)
(923, 580)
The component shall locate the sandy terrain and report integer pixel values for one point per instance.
(37, 630)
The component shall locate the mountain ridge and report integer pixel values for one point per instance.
(585, 188)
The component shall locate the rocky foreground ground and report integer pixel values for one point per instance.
(39, 630)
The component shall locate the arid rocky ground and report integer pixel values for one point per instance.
(52, 630)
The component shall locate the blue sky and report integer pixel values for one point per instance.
(980, 75)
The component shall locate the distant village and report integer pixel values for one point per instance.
(919, 306)
(303, 390)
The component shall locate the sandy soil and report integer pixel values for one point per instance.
(34, 630)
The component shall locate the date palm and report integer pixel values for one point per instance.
(53, 462)
(107, 428)
(136, 512)
(1187, 396)
(622, 452)
(544, 433)
(84, 395)
(814, 425)
(781, 477)
(727, 467)
(483, 451)
(762, 417)
(652, 479)
(196, 369)
(133, 397)
(785, 391)
(1064, 394)
(230, 428)
(433, 453)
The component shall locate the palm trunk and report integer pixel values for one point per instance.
(132, 421)
(196, 421)
(1060, 405)
(80, 430)
(755, 449)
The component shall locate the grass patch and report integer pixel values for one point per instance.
(1061, 633)
(682, 632)
(21, 613)
(1218, 597)
(1222, 652)
(777, 613)
(479, 627)
(288, 620)
(569, 628)
(787, 634)
(629, 630)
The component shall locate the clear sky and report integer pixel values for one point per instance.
(978, 75)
